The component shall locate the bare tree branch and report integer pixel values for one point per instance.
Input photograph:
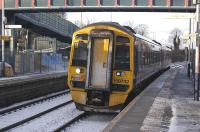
(130, 24)
(142, 29)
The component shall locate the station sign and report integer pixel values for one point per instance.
(13, 26)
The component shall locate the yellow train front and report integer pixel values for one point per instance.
(102, 72)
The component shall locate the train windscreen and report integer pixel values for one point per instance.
(80, 55)
(122, 58)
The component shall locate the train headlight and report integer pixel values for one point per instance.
(78, 70)
(120, 73)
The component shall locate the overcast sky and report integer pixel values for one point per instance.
(160, 24)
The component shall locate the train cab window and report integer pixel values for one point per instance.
(82, 36)
(122, 53)
(80, 54)
(122, 58)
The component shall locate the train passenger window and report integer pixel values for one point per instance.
(82, 36)
(136, 59)
(80, 55)
(146, 58)
(154, 57)
(157, 57)
(122, 58)
(151, 57)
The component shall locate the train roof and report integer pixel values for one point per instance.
(126, 29)
(113, 24)
(142, 37)
(148, 40)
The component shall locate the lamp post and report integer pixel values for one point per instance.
(2, 33)
(189, 49)
(197, 75)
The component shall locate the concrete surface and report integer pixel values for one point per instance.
(132, 117)
(166, 105)
(174, 109)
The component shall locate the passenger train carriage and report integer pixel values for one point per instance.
(107, 62)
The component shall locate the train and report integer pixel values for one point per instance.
(107, 63)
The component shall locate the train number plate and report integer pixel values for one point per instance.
(121, 81)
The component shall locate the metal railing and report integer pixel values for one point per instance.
(63, 3)
(29, 62)
(39, 62)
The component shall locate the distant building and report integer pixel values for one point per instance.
(45, 44)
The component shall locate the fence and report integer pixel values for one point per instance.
(39, 62)
(30, 62)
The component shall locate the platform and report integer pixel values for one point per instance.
(31, 77)
(165, 105)
(22, 88)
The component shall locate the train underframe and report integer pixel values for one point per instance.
(98, 101)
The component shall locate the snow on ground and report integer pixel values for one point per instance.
(50, 121)
(186, 115)
(174, 109)
(24, 102)
(93, 123)
(176, 65)
(24, 113)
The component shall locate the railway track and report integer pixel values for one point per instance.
(29, 120)
(82, 122)
(70, 122)
(34, 116)
(28, 103)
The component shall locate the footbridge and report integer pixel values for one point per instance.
(99, 5)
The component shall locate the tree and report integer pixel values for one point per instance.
(90, 20)
(142, 29)
(82, 24)
(175, 38)
(79, 23)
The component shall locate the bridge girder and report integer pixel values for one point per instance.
(99, 5)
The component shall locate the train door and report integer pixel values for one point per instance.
(99, 62)
(136, 62)
(100, 57)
